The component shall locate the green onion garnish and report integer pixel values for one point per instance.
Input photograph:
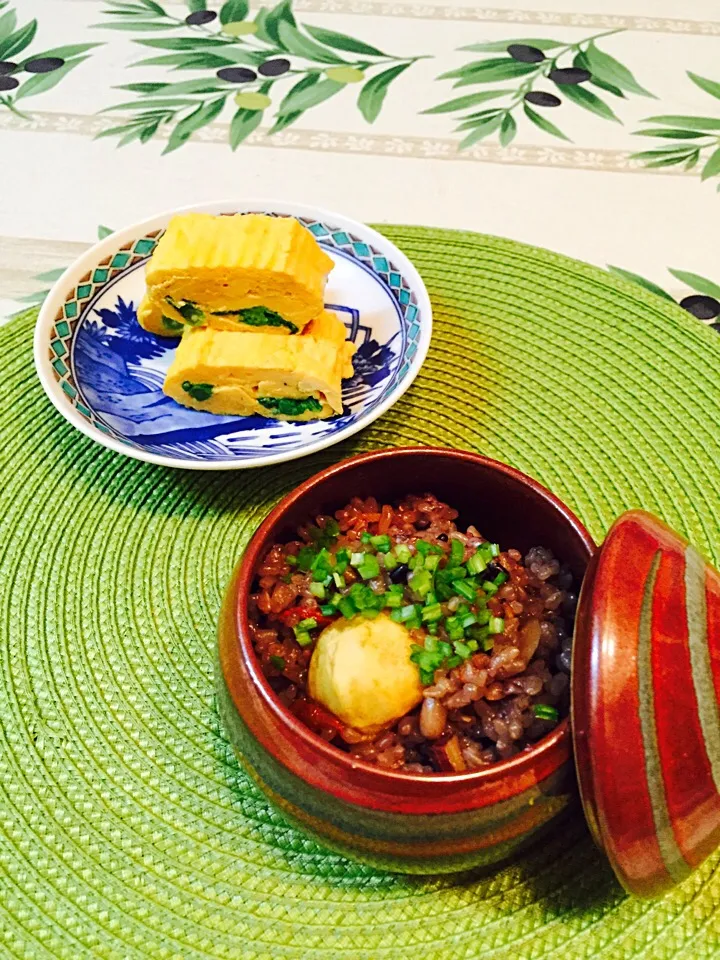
(390, 562)
(476, 564)
(430, 613)
(356, 559)
(407, 612)
(305, 557)
(291, 560)
(369, 568)
(321, 566)
(489, 588)
(303, 637)
(500, 578)
(465, 589)
(457, 552)
(421, 582)
(342, 559)
(309, 623)
(392, 600)
(454, 628)
(461, 649)
(328, 610)
(381, 542)
(496, 625)
(317, 590)
(494, 549)
(365, 537)
(347, 608)
(402, 552)
(396, 615)
(278, 662)
(431, 562)
(363, 597)
(543, 711)
(432, 628)
(468, 620)
(370, 613)
(339, 580)
(472, 645)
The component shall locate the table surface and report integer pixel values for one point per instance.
(355, 132)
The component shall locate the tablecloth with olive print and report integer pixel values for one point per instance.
(593, 130)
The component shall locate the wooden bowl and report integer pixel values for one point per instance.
(405, 822)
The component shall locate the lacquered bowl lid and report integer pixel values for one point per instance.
(645, 693)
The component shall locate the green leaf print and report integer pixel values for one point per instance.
(550, 75)
(269, 61)
(704, 304)
(704, 132)
(28, 72)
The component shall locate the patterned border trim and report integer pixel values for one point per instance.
(129, 256)
(71, 313)
(371, 144)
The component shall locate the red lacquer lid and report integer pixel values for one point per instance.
(645, 703)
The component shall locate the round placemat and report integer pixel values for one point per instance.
(127, 828)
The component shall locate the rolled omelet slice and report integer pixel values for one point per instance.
(285, 378)
(243, 273)
(154, 319)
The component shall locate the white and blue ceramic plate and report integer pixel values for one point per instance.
(104, 373)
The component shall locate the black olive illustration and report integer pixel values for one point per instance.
(274, 68)
(700, 306)
(44, 64)
(237, 74)
(7, 66)
(565, 75)
(8, 83)
(524, 53)
(542, 99)
(199, 17)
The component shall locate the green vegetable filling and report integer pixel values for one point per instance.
(171, 324)
(543, 711)
(188, 310)
(288, 406)
(258, 317)
(198, 391)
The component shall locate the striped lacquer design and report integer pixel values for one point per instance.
(646, 688)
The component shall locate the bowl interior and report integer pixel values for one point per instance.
(504, 505)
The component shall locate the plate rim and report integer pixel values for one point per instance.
(102, 248)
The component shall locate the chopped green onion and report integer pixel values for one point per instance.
(483, 616)
(431, 562)
(489, 588)
(390, 562)
(356, 559)
(305, 557)
(468, 620)
(303, 637)
(472, 645)
(363, 597)
(370, 613)
(309, 623)
(432, 628)
(292, 562)
(454, 628)
(465, 589)
(407, 612)
(369, 568)
(457, 552)
(500, 578)
(328, 610)
(453, 662)
(476, 564)
(425, 549)
(347, 608)
(427, 677)
(416, 561)
(381, 542)
(496, 625)
(487, 644)
(321, 565)
(278, 662)
(339, 580)
(365, 537)
(543, 711)
(342, 559)
(402, 552)
(396, 615)
(413, 623)
(494, 549)
(461, 649)
(430, 613)
(421, 582)
(454, 573)
(392, 600)
(430, 644)
(335, 599)
(317, 590)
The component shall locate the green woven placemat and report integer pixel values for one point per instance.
(127, 829)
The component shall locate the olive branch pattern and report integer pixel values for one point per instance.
(266, 62)
(537, 63)
(697, 138)
(32, 73)
(703, 304)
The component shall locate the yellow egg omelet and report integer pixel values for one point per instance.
(286, 378)
(243, 273)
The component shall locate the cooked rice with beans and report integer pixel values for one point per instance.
(491, 630)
